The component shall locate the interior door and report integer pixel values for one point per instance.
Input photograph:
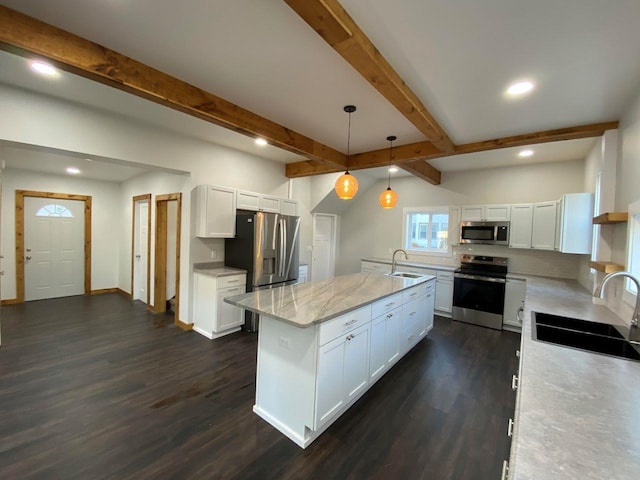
(324, 246)
(141, 258)
(54, 248)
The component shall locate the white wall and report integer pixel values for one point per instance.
(106, 223)
(368, 230)
(35, 119)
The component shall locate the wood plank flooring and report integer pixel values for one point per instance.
(97, 387)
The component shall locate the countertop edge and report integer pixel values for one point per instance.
(406, 263)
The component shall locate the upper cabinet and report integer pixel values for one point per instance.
(265, 203)
(485, 213)
(215, 211)
(575, 212)
(521, 226)
(544, 226)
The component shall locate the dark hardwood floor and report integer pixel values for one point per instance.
(97, 387)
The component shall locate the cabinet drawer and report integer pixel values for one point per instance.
(231, 291)
(415, 292)
(343, 324)
(386, 304)
(445, 276)
(231, 281)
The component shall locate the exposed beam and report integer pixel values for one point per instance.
(571, 133)
(376, 158)
(330, 20)
(26, 36)
(423, 170)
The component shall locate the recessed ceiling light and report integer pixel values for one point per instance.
(261, 142)
(44, 69)
(73, 170)
(525, 153)
(520, 88)
(393, 169)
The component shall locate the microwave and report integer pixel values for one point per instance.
(491, 233)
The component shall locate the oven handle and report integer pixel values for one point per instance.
(482, 279)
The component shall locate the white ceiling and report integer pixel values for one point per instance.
(457, 56)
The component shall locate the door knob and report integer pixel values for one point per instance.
(137, 256)
(28, 257)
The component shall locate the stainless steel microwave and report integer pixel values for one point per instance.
(489, 233)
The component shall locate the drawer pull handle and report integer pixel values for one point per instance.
(412, 313)
(389, 315)
(510, 428)
(350, 337)
(505, 471)
(428, 295)
(391, 304)
(514, 383)
(350, 322)
(413, 294)
(233, 281)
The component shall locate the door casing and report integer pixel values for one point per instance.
(19, 214)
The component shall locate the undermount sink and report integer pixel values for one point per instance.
(591, 336)
(405, 275)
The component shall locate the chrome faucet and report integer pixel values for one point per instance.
(393, 259)
(600, 290)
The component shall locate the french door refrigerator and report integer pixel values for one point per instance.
(266, 246)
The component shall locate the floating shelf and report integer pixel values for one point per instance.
(606, 267)
(611, 217)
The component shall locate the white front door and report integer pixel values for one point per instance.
(324, 246)
(141, 257)
(54, 248)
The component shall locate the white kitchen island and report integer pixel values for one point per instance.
(321, 345)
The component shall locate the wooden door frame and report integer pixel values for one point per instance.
(141, 198)
(19, 213)
(160, 253)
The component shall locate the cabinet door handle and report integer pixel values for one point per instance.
(520, 310)
(510, 428)
(428, 295)
(514, 383)
(350, 322)
(350, 337)
(505, 471)
(412, 313)
(389, 315)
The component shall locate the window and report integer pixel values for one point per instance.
(426, 230)
(54, 210)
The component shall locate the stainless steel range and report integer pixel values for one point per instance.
(478, 290)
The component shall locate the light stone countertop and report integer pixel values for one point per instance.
(217, 270)
(578, 413)
(306, 304)
(409, 263)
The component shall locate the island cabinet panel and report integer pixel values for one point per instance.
(308, 376)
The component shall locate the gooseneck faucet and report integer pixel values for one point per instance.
(393, 259)
(600, 290)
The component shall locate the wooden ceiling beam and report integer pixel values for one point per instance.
(423, 170)
(375, 158)
(560, 134)
(331, 21)
(26, 36)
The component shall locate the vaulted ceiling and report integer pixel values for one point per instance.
(432, 73)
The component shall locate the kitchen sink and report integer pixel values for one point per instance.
(405, 275)
(591, 336)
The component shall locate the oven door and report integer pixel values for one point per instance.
(478, 300)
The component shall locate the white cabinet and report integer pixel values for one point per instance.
(370, 267)
(378, 358)
(343, 372)
(288, 207)
(212, 317)
(515, 290)
(575, 222)
(453, 235)
(303, 273)
(543, 236)
(485, 213)
(265, 203)
(215, 211)
(444, 292)
(521, 226)
(429, 303)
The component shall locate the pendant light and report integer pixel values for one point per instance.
(389, 198)
(346, 185)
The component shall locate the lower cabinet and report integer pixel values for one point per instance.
(212, 317)
(307, 377)
(514, 295)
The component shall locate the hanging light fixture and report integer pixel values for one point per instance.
(346, 185)
(389, 198)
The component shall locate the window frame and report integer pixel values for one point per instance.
(443, 210)
(633, 230)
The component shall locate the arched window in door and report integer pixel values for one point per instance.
(54, 210)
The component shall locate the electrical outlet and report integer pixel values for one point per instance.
(285, 342)
(214, 254)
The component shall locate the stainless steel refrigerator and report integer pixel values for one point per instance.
(266, 246)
